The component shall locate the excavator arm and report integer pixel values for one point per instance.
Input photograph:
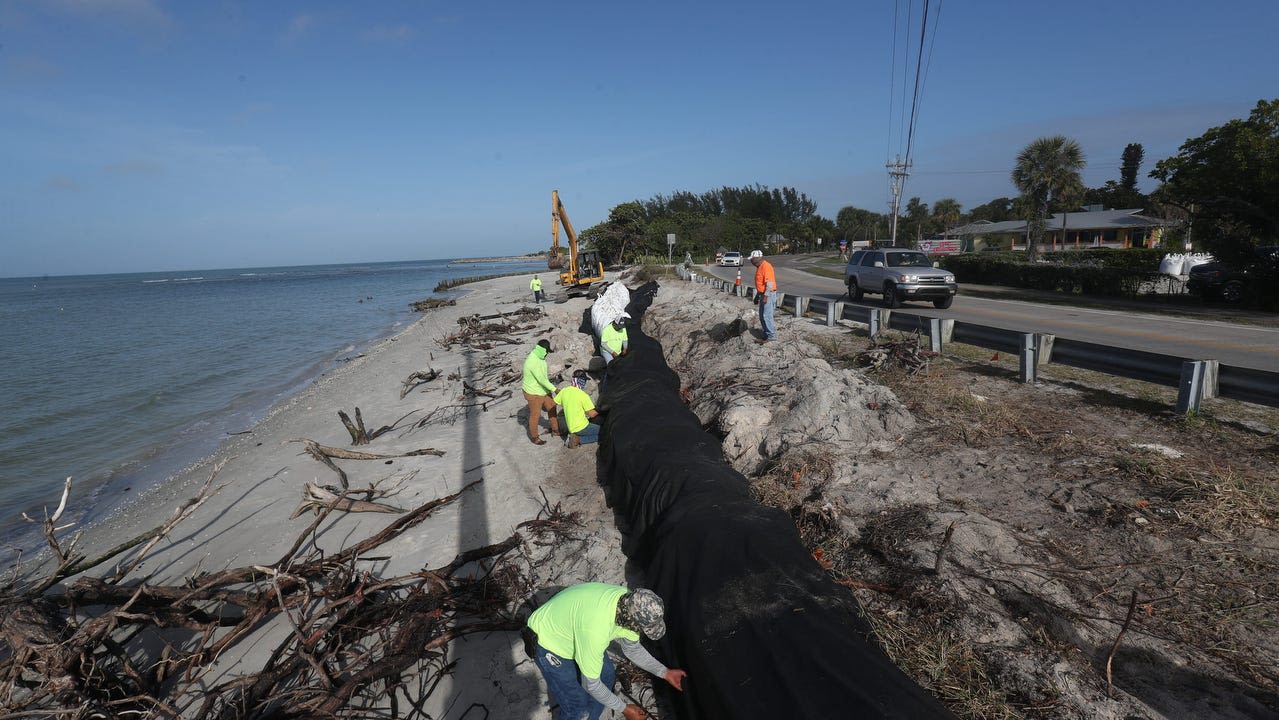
(554, 261)
(583, 267)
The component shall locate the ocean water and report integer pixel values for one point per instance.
(120, 381)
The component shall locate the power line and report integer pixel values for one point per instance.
(919, 70)
(899, 166)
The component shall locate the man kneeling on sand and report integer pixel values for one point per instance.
(578, 412)
(572, 632)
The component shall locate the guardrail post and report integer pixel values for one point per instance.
(833, 310)
(1028, 357)
(801, 304)
(872, 327)
(934, 334)
(1044, 348)
(1192, 387)
(1210, 379)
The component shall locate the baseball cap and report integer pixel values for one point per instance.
(545, 343)
(756, 253)
(645, 609)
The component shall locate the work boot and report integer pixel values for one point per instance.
(572, 442)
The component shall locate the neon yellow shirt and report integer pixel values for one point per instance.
(535, 381)
(577, 405)
(535, 284)
(613, 339)
(579, 623)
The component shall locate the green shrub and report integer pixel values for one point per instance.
(1115, 273)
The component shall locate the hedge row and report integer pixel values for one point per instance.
(1117, 273)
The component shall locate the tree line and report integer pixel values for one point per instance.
(1222, 188)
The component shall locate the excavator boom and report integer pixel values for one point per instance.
(553, 260)
(584, 266)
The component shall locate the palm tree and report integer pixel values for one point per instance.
(1047, 171)
(948, 211)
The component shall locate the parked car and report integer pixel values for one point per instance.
(899, 275)
(1229, 282)
(731, 258)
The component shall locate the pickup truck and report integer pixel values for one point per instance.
(899, 275)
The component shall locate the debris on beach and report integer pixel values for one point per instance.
(432, 303)
(416, 378)
(354, 635)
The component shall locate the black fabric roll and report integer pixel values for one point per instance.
(761, 628)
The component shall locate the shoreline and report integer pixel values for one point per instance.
(139, 477)
(502, 259)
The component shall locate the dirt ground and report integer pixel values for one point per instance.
(1065, 549)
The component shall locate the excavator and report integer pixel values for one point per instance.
(584, 266)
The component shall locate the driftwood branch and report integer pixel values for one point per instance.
(352, 634)
(416, 378)
(316, 498)
(326, 455)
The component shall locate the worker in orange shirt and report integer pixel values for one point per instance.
(765, 295)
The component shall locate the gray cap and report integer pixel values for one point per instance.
(644, 608)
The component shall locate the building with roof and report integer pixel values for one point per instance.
(1089, 228)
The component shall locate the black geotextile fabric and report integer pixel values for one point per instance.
(761, 629)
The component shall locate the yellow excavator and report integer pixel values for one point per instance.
(584, 266)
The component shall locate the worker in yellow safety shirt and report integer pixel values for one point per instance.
(538, 390)
(613, 339)
(579, 410)
(569, 637)
(536, 286)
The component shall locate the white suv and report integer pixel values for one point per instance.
(899, 274)
(731, 258)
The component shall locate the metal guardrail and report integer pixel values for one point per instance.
(1252, 386)
(1196, 379)
(987, 337)
(1135, 364)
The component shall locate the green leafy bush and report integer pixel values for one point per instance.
(1116, 273)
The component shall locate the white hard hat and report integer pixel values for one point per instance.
(755, 254)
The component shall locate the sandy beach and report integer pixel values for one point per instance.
(262, 479)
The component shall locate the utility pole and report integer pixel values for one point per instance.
(897, 174)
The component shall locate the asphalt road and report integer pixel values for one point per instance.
(1176, 332)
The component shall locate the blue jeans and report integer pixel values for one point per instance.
(766, 311)
(604, 353)
(561, 679)
(589, 434)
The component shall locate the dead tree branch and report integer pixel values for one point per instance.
(419, 377)
(360, 436)
(1110, 685)
(101, 648)
(326, 455)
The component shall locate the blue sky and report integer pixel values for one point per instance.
(152, 135)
